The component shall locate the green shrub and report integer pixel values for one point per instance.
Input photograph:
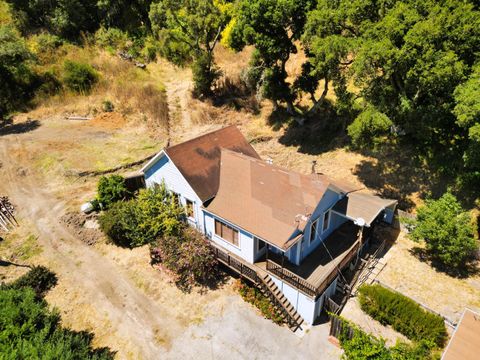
(31, 331)
(79, 77)
(39, 278)
(140, 221)
(403, 314)
(188, 255)
(111, 189)
(205, 73)
(253, 296)
(368, 127)
(107, 106)
(358, 345)
(111, 37)
(448, 231)
(121, 224)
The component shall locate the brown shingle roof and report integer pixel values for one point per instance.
(266, 200)
(465, 342)
(361, 205)
(198, 159)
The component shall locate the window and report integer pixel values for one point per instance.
(226, 232)
(189, 208)
(313, 230)
(326, 220)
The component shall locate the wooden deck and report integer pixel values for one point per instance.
(316, 272)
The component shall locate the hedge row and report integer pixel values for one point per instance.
(402, 313)
(358, 345)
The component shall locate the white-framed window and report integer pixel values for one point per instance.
(189, 209)
(226, 232)
(313, 231)
(326, 221)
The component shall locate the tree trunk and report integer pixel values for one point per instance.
(320, 101)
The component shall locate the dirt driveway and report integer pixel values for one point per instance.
(114, 293)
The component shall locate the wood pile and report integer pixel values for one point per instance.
(7, 218)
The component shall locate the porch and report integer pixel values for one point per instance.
(320, 267)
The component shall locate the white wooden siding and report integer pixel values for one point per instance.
(246, 248)
(329, 199)
(164, 170)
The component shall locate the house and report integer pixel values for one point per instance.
(465, 341)
(289, 233)
(191, 169)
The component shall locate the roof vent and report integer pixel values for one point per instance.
(269, 160)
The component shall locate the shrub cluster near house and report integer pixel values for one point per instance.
(155, 217)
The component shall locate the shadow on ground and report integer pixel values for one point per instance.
(320, 133)
(5, 263)
(468, 269)
(8, 128)
(396, 172)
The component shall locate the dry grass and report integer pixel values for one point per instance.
(417, 279)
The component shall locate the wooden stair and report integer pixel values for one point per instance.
(265, 284)
(279, 300)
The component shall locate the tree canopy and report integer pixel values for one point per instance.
(447, 230)
(188, 32)
(16, 76)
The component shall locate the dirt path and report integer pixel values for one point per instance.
(135, 318)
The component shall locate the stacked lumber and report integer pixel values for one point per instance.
(7, 218)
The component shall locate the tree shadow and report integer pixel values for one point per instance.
(8, 128)
(470, 268)
(235, 94)
(9, 263)
(319, 133)
(397, 172)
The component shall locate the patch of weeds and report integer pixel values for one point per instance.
(46, 162)
(253, 296)
(28, 248)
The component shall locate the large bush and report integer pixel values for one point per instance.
(188, 255)
(121, 224)
(447, 230)
(29, 330)
(140, 221)
(403, 314)
(111, 189)
(368, 127)
(79, 77)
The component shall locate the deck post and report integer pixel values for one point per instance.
(282, 262)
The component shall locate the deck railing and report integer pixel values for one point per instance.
(291, 278)
(302, 284)
(237, 265)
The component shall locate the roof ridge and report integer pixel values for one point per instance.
(313, 177)
(203, 136)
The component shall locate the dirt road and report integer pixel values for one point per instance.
(109, 291)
